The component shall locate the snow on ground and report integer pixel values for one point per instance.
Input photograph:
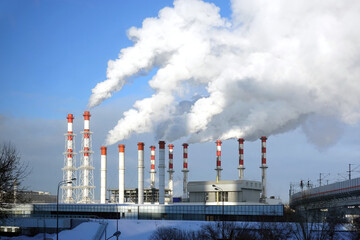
(85, 231)
(142, 229)
(130, 229)
(135, 229)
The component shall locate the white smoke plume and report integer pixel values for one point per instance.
(261, 72)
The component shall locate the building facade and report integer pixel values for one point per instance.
(238, 191)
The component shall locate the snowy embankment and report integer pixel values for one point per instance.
(143, 229)
(130, 229)
(85, 231)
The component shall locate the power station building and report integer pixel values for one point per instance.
(237, 200)
(237, 191)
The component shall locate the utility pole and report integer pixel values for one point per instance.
(322, 176)
(349, 171)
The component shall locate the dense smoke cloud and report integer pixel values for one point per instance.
(262, 72)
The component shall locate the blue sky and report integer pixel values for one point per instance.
(52, 53)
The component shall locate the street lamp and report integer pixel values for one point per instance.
(217, 188)
(57, 204)
(116, 234)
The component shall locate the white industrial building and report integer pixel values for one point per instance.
(234, 192)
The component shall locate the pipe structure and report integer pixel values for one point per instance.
(171, 172)
(86, 176)
(121, 173)
(152, 170)
(103, 176)
(141, 173)
(263, 168)
(69, 162)
(185, 170)
(241, 158)
(218, 161)
(161, 172)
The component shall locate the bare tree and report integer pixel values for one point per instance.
(274, 231)
(231, 230)
(12, 173)
(210, 231)
(311, 225)
(170, 233)
(355, 228)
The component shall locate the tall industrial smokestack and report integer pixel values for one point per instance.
(185, 170)
(171, 171)
(86, 166)
(103, 176)
(161, 172)
(152, 170)
(140, 173)
(241, 158)
(69, 162)
(121, 173)
(263, 168)
(218, 161)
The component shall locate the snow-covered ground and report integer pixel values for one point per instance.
(130, 230)
(142, 229)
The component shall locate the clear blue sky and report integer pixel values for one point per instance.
(52, 53)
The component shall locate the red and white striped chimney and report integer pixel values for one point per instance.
(86, 165)
(263, 167)
(218, 161)
(171, 171)
(152, 170)
(69, 169)
(121, 173)
(185, 170)
(161, 172)
(103, 176)
(140, 173)
(241, 158)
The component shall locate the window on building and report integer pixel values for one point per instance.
(224, 196)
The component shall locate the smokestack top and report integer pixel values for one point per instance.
(103, 150)
(162, 144)
(141, 146)
(171, 146)
(152, 147)
(121, 148)
(185, 145)
(263, 150)
(218, 142)
(87, 115)
(241, 140)
(70, 118)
